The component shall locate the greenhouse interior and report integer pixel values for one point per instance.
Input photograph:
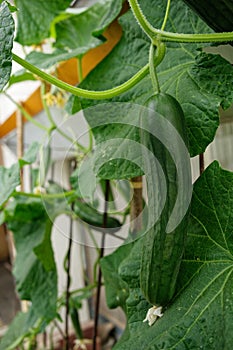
(116, 175)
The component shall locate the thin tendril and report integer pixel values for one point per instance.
(25, 113)
(166, 14)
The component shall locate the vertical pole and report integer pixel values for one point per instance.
(136, 206)
(201, 163)
(20, 142)
(97, 305)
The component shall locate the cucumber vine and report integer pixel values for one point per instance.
(155, 35)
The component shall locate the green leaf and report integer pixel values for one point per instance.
(117, 155)
(213, 74)
(56, 206)
(175, 73)
(9, 179)
(7, 28)
(44, 251)
(80, 32)
(112, 9)
(30, 155)
(34, 19)
(12, 8)
(20, 76)
(77, 34)
(203, 302)
(34, 270)
(116, 289)
(15, 333)
(44, 61)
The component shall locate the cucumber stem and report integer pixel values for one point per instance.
(44, 195)
(141, 19)
(153, 74)
(95, 95)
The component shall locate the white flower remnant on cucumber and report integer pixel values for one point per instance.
(152, 314)
(81, 344)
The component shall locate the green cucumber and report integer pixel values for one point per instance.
(93, 217)
(74, 315)
(162, 251)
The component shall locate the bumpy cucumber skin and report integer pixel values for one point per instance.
(162, 252)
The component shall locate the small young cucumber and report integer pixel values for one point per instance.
(162, 251)
(93, 217)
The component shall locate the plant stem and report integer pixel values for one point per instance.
(59, 328)
(45, 106)
(54, 125)
(141, 19)
(84, 289)
(136, 206)
(97, 305)
(25, 113)
(77, 144)
(193, 38)
(153, 74)
(166, 14)
(95, 95)
(44, 195)
(155, 33)
(67, 269)
(80, 70)
(201, 163)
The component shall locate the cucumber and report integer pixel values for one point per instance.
(74, 315)
(93, 217)
(162, 251)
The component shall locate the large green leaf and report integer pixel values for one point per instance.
(19, 76)
(77, 34)
(35, 269)
(30, 155)
(13, 336)
(179, 73)
(7, 28)
(81, 31)
(212, 73)
(34, 19)
(24, 325)
(116, 289)
(9, 179)
(46, 60)
(201, 314)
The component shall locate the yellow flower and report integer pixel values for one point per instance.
(60, 99)
(50, 99)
